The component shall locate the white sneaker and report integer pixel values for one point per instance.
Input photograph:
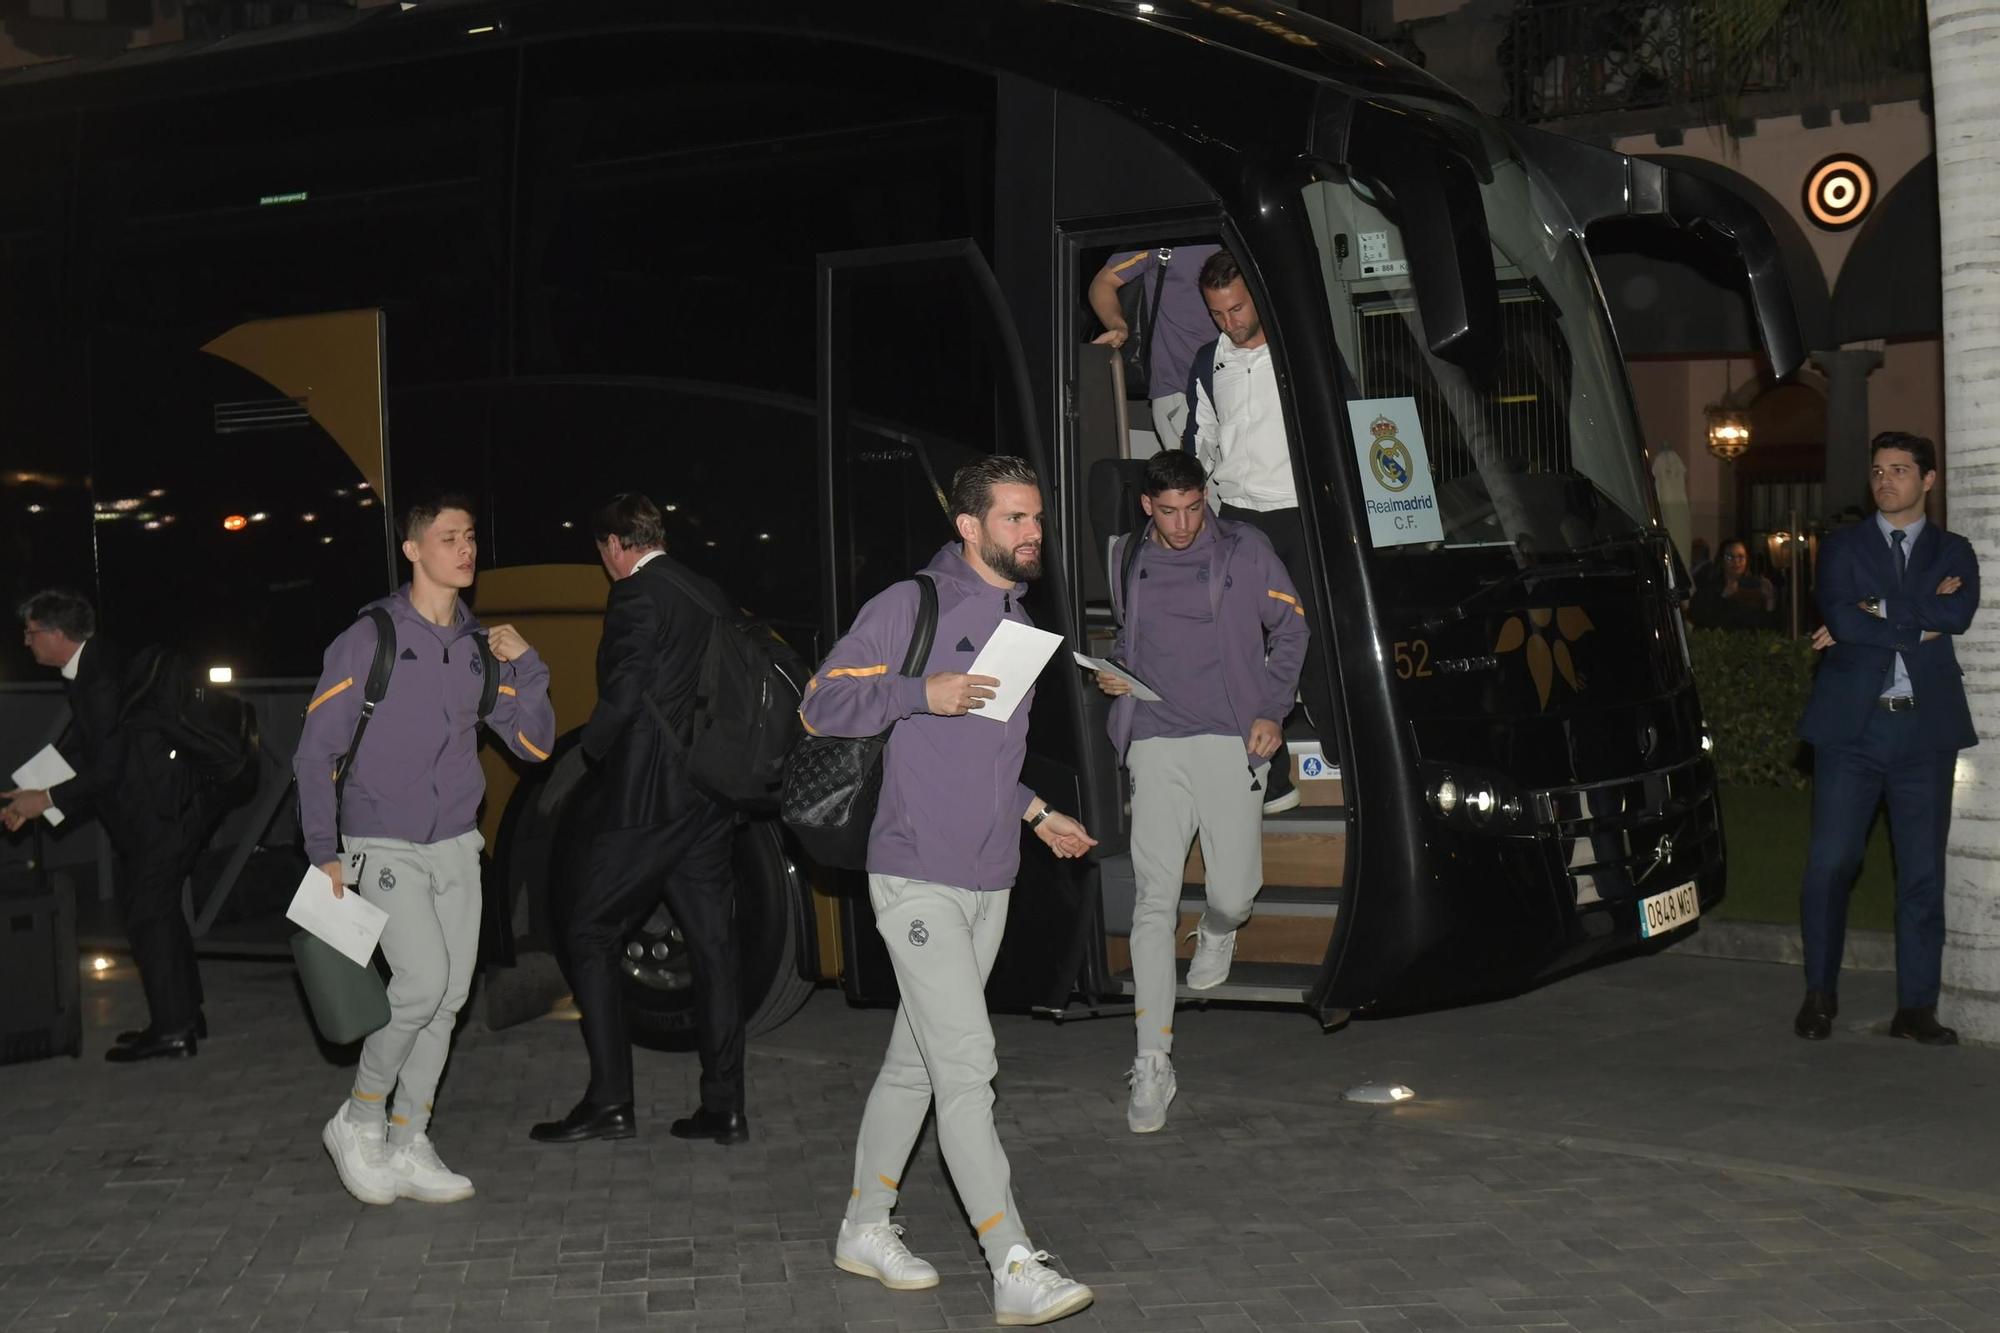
(1209, 967)
(361, 1156)
(419, 1174)
(1153, 1087)
(876, 1249)
(1026, 1291)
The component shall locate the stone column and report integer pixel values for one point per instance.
(1963, 33)
(1846, 374)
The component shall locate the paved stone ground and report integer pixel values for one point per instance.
(1642, 1147)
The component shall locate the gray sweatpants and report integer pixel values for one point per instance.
(431, 893)
(942, 941)
(1180, 785)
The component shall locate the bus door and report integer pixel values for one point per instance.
(921, 371)
(1117, 422)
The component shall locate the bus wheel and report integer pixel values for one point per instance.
(659, 983)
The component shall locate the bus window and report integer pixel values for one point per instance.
(731, 470)
(1532, 451)
(201, 466)
(918, 387)
(45, 526)
(681, 185)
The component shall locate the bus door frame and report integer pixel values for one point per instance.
(1042, 959)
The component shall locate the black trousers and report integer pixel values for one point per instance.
(147, 885)
(684, 861)
(1287, 532)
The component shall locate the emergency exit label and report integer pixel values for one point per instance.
(1395, 471)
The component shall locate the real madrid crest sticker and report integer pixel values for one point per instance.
(1395, 471)
(1389, 458)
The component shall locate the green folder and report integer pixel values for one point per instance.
(348, 1001)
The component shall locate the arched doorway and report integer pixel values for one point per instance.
(1780, 485)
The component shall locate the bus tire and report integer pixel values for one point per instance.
(658, 985)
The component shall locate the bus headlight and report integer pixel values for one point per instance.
(1445, 796)
(1481, 803)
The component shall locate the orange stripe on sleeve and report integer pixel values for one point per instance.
(1135, 259)
(1287, 599)
(529, 746)
(329, 694)
(879, 669)
(509, 689)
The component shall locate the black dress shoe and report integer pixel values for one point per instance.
(722, 1126)
(588, 1120)
(148, 1032)
(1921, 1025)
(154, 1046)
(1816, 1015)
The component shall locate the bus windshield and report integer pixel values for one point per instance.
(1534, 450)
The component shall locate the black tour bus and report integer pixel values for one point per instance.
(784, 265)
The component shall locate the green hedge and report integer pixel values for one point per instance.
(1754, 685)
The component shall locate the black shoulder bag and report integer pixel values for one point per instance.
(834, 783)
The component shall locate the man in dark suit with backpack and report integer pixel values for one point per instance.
(157, 814)
(658, 834)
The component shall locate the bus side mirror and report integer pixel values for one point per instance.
(1598, 184)
(1431, 190)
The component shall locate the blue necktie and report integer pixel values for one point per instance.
(1896, 545)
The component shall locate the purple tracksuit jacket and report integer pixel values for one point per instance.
(1251, 598)
(417, 775)
(952, 797)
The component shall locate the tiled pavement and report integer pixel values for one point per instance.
(1641, 1147)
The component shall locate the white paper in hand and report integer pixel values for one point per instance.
(47, 769)
(1140, 689)
(1014, 656)
(349, 923)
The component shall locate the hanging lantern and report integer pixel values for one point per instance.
(1728, 431)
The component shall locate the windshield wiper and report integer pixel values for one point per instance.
(1524, 578)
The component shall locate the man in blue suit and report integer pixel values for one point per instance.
(1887, 719)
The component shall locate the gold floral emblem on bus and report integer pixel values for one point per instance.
(1548, 655)
(1389, 459)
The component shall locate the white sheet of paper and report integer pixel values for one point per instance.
(47, 769)
(349, 923)
(1140, 689)
(1014, 656)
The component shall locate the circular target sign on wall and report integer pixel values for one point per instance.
(1839, 192)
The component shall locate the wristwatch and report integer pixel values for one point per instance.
(1872, 605)
(1041, 814)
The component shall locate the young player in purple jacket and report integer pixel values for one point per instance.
(942, 856)
(1209, 619)
(410, 808)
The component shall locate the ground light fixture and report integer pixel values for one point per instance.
(1379, 1094)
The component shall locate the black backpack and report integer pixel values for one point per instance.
(207, 727)
(834, 783)
(746, 705)
(377, 685)
(1142, 317)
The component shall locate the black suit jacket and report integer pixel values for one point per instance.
(654, 638)
(124, 775)
(1854, 564)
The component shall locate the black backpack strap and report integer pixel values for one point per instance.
(925, 628)
(1200, 375)
(372, 690)
(1162, 258)
(489, 691)
(1128, 561)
